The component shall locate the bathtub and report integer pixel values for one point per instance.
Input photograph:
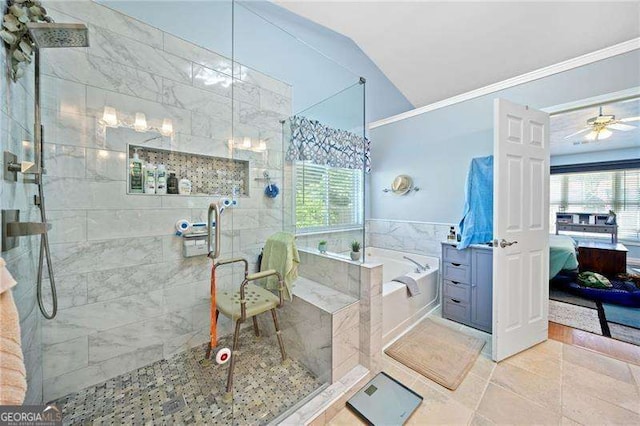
(399, 311)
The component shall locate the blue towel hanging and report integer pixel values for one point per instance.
(476, 226)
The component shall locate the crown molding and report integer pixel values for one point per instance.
(598, 55)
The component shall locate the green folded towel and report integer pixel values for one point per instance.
(593, 280)
(280, 253)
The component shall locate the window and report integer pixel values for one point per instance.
(599, 192)
(327, 197)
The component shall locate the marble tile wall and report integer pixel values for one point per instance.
(371, 317)
(413, 237)
(127, 296)
(340, 274)
(16, 124)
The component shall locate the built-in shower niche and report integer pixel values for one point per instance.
(208, 175)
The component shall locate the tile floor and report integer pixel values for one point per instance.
(551, 383)
(183, 390)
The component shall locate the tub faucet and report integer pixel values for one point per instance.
(419, 267)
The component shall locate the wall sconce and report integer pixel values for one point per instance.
(262, 146)
(109, 116)
(167, 127)
(246, 143)
(140, 125)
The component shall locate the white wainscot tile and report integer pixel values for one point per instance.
(256, 117)
(68, 128)
(123, 282)
(71, 193)
(105, 224)
(106, 165)
(67, 226)
(201, 145)
(70, 289)
(264, 81)
(100, 72)
(62, 95)
(215, 128)
(96, 373)
(197, 54)
(274, 102)
(194, 99)
(70, 258)
(133, 337)
(109, 45)
(66, 356)
(88, 319)
(95, 13)
(64, 160)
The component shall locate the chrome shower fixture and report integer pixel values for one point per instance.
(51, 34)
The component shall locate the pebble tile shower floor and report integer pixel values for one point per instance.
(182, 389)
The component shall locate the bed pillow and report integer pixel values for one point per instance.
(593, 280)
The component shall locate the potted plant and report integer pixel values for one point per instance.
(355, 250)
(322, 246)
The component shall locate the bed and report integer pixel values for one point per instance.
(562, 254)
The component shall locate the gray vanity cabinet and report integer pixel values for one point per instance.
(468, 285)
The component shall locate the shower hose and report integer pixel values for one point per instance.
(45, 251)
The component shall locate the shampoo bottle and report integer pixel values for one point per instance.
(172, 183)
(135, 173)
(150, 179)
(161, 179)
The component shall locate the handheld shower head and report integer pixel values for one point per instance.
(53, 34)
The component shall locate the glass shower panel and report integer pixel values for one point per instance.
(276, 74)
(326, 167)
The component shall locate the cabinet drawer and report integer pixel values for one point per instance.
(456, 311)
(457, 272)
(453, 255)
(457, 291)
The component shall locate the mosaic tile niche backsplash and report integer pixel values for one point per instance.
(208, 175)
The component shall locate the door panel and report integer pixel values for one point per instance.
(521, 205)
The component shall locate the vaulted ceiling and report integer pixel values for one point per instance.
(435, 50)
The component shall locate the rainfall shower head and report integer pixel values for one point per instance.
(52, 34)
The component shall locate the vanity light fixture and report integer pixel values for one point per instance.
(167, 127)
(246, 143)
(140, 125)
(109, 116)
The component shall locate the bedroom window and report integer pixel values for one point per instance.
(327, 198)
(599, 192)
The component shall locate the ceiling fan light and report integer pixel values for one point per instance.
(591, 136)
(604, 134)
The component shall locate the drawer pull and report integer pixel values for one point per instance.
(455, 300)
(456, 264)
(455, 282)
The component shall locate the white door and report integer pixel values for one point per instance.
(520, 228)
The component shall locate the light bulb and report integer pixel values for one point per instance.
(140, 125)
(604, 134)
(262, 145)
(109, 116)
(591, 136)
(167, 127)
(246, 142)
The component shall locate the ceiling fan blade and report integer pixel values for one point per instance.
(586, 129)
(622, 127)
(626, 120)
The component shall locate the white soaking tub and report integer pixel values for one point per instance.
(399, 311)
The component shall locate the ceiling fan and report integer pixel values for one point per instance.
(601, 127)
